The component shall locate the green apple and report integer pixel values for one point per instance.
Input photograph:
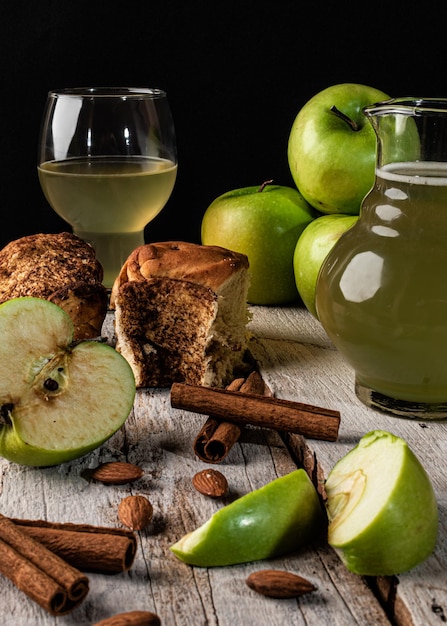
(264, 223)
(332, 148)
(382, 509)
(59, 399)
(312, 248)
(276, 519)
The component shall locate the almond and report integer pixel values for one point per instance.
(279, 584)
(210, 482)
(131, 618)
(116, 473)
(135, 512)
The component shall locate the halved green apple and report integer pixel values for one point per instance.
(58, 399)
(276, 519)
(382, 509)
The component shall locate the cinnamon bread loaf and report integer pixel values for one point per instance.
(61, 268)
(181, 313)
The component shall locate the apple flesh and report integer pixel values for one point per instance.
(264, 223)
(59, 399)
(382, 509)
(312, 248)
(276, 519)
(332, 148)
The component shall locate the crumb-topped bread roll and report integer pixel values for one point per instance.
(181, 313)
(61, 268)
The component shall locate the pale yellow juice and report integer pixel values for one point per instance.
(108, 200)
(382, 294)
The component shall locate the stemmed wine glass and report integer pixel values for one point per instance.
(107, 164)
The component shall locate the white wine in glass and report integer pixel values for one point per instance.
(107, 165)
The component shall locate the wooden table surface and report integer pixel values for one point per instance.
(299, 363)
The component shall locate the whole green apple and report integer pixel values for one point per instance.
(280, 517)
(382, 509)
(264, 223)
(59, 398)
(312, 248)
(332, 148)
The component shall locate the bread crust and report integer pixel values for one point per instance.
(61, 268)
(210, 266)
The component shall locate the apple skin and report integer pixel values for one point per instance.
(333, 165)
(264, 225)
(382, 509)
(92, 390)
(312, 248)
(279, 518)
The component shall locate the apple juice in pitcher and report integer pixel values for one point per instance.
(382, 292)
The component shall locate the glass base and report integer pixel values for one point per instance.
(112, 250)
(400, 408)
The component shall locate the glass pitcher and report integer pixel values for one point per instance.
(382, 291)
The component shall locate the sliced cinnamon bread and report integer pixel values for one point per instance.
(181, 313)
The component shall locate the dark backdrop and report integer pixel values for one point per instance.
(236, 74)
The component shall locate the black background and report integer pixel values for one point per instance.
(236, 74)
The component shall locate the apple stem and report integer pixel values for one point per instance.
(264, 185)
(344, 117)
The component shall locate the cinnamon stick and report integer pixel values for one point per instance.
(45, 578)
(88, 548)
(218, 449)
(217, 437)
(268, 412)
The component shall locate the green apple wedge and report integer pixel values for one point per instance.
(263, 222)
(280, 517)
(382, 509)
(59, 399)
(312, 248)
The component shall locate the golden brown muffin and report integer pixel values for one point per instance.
(61, 268)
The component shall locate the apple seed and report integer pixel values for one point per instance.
(51, 385)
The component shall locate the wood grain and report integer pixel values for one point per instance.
(297, 362)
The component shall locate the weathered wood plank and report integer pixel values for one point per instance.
(160, 440)
(300, 363)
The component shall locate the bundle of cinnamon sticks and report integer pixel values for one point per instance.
(248, 401)
(45, 559)
(217, 436)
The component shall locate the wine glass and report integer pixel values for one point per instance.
(107, 165)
